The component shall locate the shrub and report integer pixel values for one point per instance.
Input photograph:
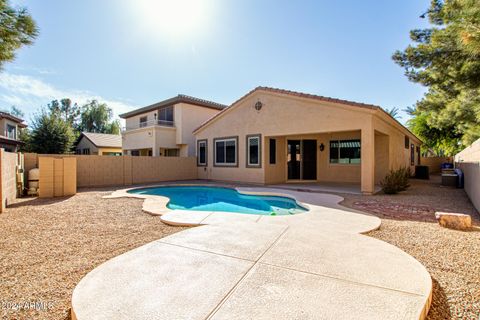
(396, 181)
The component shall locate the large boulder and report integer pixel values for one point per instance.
(456, 221)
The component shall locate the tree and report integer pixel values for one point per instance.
(49, 134)
(393, 112)
(15, 111)
(17, 28)
(97, 117)
(446, 59)
(66, 110)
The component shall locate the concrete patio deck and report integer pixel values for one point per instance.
(314, 265)
(329, 187)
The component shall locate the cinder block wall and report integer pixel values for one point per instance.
(434, 163)
(103, 171)
(469, 161)
(8, 163)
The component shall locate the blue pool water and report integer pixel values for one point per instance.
(202, 198)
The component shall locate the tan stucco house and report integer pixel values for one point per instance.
(10, 127)
(99, 144)
(276, 136)
(165, 128)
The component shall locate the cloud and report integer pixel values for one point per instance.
(30, 93)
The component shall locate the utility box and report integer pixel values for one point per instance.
(449, 179)
(422, 172)
(58, 176)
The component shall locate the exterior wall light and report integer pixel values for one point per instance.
(258, 105)
(322, 147)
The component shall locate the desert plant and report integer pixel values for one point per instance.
(396, 181)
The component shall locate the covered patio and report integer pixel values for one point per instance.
(351, 161)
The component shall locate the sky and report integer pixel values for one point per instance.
(132, 53)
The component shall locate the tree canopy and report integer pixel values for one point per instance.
(446, 59)
(49, 134)
(17, 28)
(96, 117)
(58, 126)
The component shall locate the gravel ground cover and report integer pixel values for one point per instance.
(452, 257)
(47, 246)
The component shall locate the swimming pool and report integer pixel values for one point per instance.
(205, 198)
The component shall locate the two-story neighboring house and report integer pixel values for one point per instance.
(10, 127)
(165, 128)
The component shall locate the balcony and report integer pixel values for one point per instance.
(151, 123)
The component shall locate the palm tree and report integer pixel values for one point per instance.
(393, 112)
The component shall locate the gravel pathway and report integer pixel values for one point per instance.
(452, 257)
(47, 246)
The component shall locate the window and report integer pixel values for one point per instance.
(171, 152)
(202, 153)
(407, 142)
(253, 151)
(345, 151)
(111, 153)
(143, 121)
(135, 153)
(226, 151)
(273, 151)
(165, 116)
(11, 132)
(86, 151)
(412, 154)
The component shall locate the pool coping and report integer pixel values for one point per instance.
(156, 205)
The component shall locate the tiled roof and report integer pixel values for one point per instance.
(104, 140)
(308, 96)
(296, 94)
(8, 116)
(178, 99)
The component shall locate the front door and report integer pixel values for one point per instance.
(293, 159)
(309, 160)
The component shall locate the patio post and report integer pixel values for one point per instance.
(368, 160)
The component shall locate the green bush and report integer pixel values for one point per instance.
(396, 181)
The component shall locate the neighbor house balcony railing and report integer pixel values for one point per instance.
(160, 123)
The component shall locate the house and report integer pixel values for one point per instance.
(274, 136)
(99, 144)
(10, 127)
(165, 128)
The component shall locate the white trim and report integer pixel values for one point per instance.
(258, 151)
(200, 143)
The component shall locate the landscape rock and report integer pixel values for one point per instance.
(457, 221)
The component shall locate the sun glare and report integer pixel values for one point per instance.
(172, 18)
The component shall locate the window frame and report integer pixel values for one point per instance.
(142, 124)
(14, 131)
(272, 155)
(412, 154)
(164, 111)
(86, 151)
(225, 139)
(202, 141)
(167, 152)
(247, 150)
(339, 152)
